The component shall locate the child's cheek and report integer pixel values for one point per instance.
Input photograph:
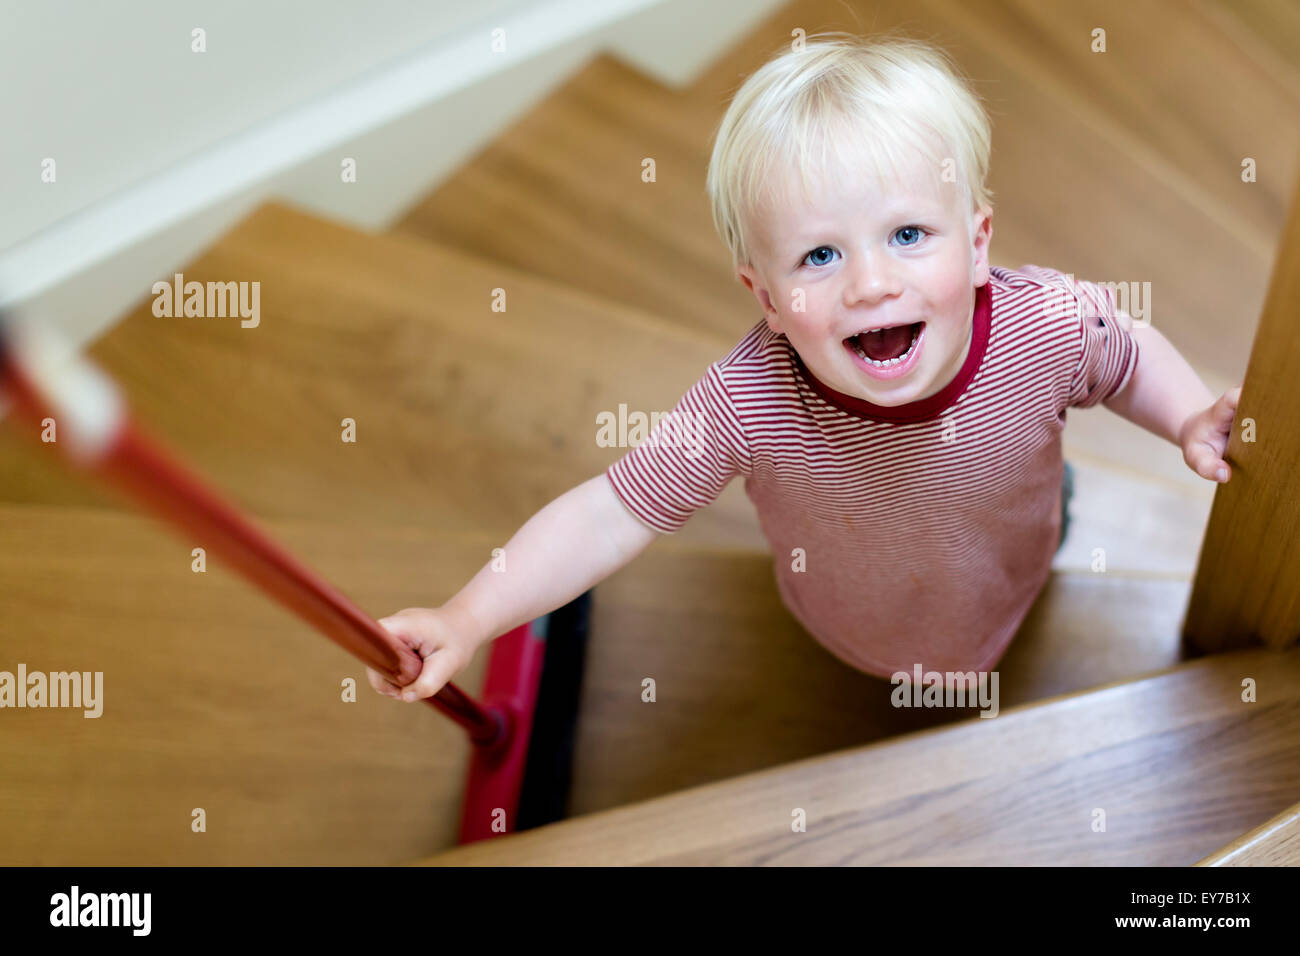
(803, 305)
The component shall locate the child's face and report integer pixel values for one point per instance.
(864, 255)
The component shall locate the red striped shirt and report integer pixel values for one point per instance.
(904, 535)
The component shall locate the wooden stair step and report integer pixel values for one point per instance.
(741, 686)
(1177, 761)
(1132, 522)
(561, 194)
(466, 419)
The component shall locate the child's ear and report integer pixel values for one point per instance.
(751, 280)
(983, 236)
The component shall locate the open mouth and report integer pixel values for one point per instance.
(886, 347)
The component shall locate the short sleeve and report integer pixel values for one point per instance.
(1108, 353)
(686, 460)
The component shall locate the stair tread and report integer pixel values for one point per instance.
(1176, 760)
(1136, 524)
(560, 194)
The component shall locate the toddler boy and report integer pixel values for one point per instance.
(896, 413)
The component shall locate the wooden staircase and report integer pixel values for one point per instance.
(469, 420)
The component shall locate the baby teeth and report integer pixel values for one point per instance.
(888, 363)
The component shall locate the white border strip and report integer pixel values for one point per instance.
(119, 221)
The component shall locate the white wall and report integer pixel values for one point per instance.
(113, 92)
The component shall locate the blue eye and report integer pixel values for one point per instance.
(916, 229)
(814, 252)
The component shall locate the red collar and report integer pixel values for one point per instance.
(926, 408)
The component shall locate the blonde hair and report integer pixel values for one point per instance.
(873, 97)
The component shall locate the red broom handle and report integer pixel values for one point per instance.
(138, 465)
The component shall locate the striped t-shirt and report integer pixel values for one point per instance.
(904, 535)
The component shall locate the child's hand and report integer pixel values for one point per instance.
(1204, 437)
(445, 647)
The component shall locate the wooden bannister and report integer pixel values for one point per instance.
(1247, 586)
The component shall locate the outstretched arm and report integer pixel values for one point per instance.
(1167, 398)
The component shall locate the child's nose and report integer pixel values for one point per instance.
(871, 278)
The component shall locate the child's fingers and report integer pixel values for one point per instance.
(1206, 462)
(1225, 409)
(410, 636)
(439, 649)
(382, 684)
(1206, 458)
(439, 668)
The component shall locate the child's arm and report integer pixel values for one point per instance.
(1168, 398)
(578, 539)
